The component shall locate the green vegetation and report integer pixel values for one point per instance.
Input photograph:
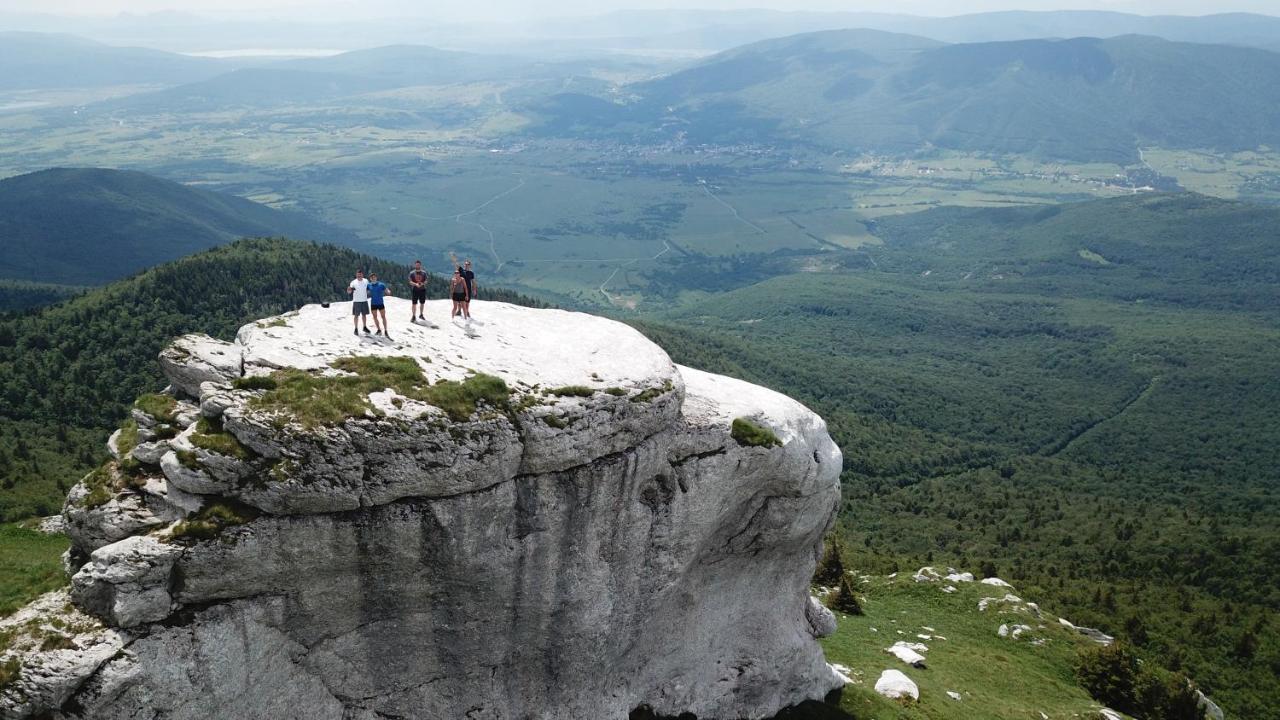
(160, 406)
(30, 565)
(653, 393)
(616, 391)
(128, 438)
(750, 434)
(210, 436)
(213, 518)
(102, 485)
(1111, 455)
(997, 678)
(844, 598)
(1114, 676)
(10, 670)
(573, 391)
(316, 400)
(254, 382)
(112, 223)
(459, 399)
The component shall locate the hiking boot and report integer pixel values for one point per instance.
(366, 331)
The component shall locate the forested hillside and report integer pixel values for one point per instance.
(1081, 99)
(67, 372)
(89, 226)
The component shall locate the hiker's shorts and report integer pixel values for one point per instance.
(360, 308)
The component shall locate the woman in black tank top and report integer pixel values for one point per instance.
(458, 291)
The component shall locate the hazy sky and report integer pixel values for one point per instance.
(498, 10)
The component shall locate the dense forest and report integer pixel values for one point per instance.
(1115, 460)
(68, 372)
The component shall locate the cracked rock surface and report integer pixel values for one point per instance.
(595, 542)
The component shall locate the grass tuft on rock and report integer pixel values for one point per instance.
(128, 438)
(213, 519)
(316, 400)
(159, 406)
(254, 382)
(210, 436)
(653, 393)
(459, 399)
(101, 484)
(10, 670)
(749, 434)
(573, 391)
(616, 391)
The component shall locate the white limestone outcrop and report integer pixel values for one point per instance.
(594, 542)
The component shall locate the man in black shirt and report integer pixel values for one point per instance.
(418, 289)
(470, 277)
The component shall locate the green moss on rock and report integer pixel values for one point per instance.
(750, 434)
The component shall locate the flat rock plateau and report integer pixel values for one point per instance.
(532, 515)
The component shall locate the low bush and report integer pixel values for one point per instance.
(750, 434)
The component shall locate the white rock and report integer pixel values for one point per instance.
(194, 359)
(959, 577)
(1109, 714)
(926, 574)
(894, 684)
(1003, 631)
(949, 589)
(997, 582)
(398, 560)
(841, 672)
(954, 695)
(1066, 623)
(1211, 709)
(906, 653)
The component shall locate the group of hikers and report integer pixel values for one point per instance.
(368, 296)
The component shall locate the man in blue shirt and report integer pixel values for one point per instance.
(377, 291)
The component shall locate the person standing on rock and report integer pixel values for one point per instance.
(378, 305)
(470, 278)
(358, 289)
(458, 291)
(418, 288)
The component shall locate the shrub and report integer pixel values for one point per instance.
(101, 484)
(573, 391)
(845, 599)
(1109, 673)
(830, 568)
(748, 433)
(616, 391)
(459, 399)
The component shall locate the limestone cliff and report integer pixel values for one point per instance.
(536, 515)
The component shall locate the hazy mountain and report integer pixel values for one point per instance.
(38, 60)
(90, 226)
(867, 91)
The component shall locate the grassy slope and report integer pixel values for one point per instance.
(30, 564)
(998, 678)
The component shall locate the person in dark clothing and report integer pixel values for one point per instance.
(377, 304)
(458, 291)
(470, 278)
(418, 289)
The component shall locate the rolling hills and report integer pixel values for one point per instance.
(87, 226)
(1079, 99)
(45, 60)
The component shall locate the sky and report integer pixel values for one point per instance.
(506, 10)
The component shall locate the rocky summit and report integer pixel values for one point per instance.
(532, 515)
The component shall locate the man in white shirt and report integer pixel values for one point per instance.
(359, 292)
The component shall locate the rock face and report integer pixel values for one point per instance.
(341, 538)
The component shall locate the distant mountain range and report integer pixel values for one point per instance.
(92, 226)
(861, 90)
(632, 30)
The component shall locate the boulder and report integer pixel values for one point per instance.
(894, 684)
